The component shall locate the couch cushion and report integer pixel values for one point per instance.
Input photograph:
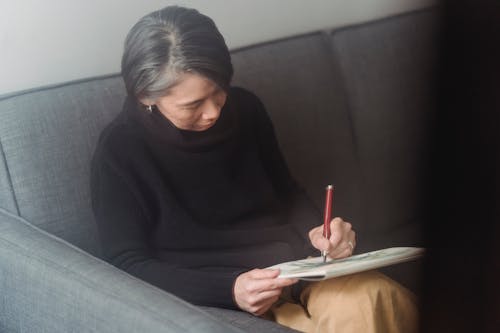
(51, 286)
(387, 67)
(298, 83)
(246, 321)
(47, 137)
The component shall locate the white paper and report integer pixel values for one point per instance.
(314, 268)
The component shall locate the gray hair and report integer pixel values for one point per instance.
(171, 41)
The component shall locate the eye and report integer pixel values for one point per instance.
(191, 107)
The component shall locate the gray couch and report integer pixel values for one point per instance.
(350, 107)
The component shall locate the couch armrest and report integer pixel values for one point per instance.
(48, 285)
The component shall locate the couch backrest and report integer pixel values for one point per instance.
(387, 68)
(352, 107)
(298, 82)
(347, 108)
(47, 138)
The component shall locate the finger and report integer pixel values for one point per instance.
(263, 273)
(285, 282)
(313, 233)
(261, 285)
(340, 233)
(348, 246)
(346, 252)
(318, 240)
(352, 238)
(261, 308)
(345, 248)
(258, 303)
(260, 298)
(316, 230)
(338, 230)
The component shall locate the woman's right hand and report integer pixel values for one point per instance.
(255, 291)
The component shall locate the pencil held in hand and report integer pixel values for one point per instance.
(327, 217)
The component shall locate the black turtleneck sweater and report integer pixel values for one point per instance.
(190, 211)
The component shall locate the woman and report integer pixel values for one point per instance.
(191, 192)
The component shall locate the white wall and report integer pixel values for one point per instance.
(50, 41)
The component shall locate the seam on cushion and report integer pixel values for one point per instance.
(335, 66)
(9, 178)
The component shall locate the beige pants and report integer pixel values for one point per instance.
(364, 302)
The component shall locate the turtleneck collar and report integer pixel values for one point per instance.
(160, 128)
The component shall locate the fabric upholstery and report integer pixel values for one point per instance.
(7, 198)
(248, 323)
(349, 107)
(387, 71)
(51, 286)
(298, 83)
(48, 137)
(386, 67)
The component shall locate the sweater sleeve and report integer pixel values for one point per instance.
(303, 214)
(124, 230)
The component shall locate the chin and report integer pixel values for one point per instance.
(203, 128)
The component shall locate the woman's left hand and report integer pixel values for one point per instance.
(342, 240)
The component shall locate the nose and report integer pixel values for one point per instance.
(211, 112)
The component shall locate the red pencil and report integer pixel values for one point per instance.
(327, 217)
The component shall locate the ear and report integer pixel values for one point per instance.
(146, 101)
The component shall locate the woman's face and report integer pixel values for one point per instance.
(193, 104)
